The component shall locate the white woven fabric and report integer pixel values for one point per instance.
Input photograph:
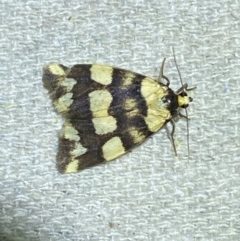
(148, 194)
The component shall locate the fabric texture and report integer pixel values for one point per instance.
(149, 193)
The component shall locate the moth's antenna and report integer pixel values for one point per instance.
(183, 88)
(161, 70)
(161, 75)
(177, 66)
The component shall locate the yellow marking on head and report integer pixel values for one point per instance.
(68, 83)
(101, 74)
(78, 150)
(113, 148)
(72, 166)
(183, 100)
(104, 125)
(128, 78)
(57, 70)
(100, 101)
(137, 136)
(69, 132)
(62, 104)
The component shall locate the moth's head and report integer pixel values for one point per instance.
(182, 97)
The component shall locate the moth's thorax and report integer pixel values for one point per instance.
(171, 101)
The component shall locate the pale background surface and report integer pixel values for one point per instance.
(148, 194)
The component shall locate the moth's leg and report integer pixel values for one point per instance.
(172, 136)
(162, 76)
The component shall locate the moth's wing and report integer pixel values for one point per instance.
(108, 112)
(90, 141)
(80, 146)
(84, 91)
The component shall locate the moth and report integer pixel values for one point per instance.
(107, 111)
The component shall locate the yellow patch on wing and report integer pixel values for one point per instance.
(113, 148)
(137, 136)
(100, 101)
(56, 69)
(150, 89)
(78, 150)
(130, 104)
(62, 104)
(69, 132)
(132, 113)
(72, 167)
(155, 119)
(128, 78)
(104, 125)
(157, 113)
(68, 83)
(101, 74)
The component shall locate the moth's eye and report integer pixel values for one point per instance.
(184, 106)
(183, 93)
